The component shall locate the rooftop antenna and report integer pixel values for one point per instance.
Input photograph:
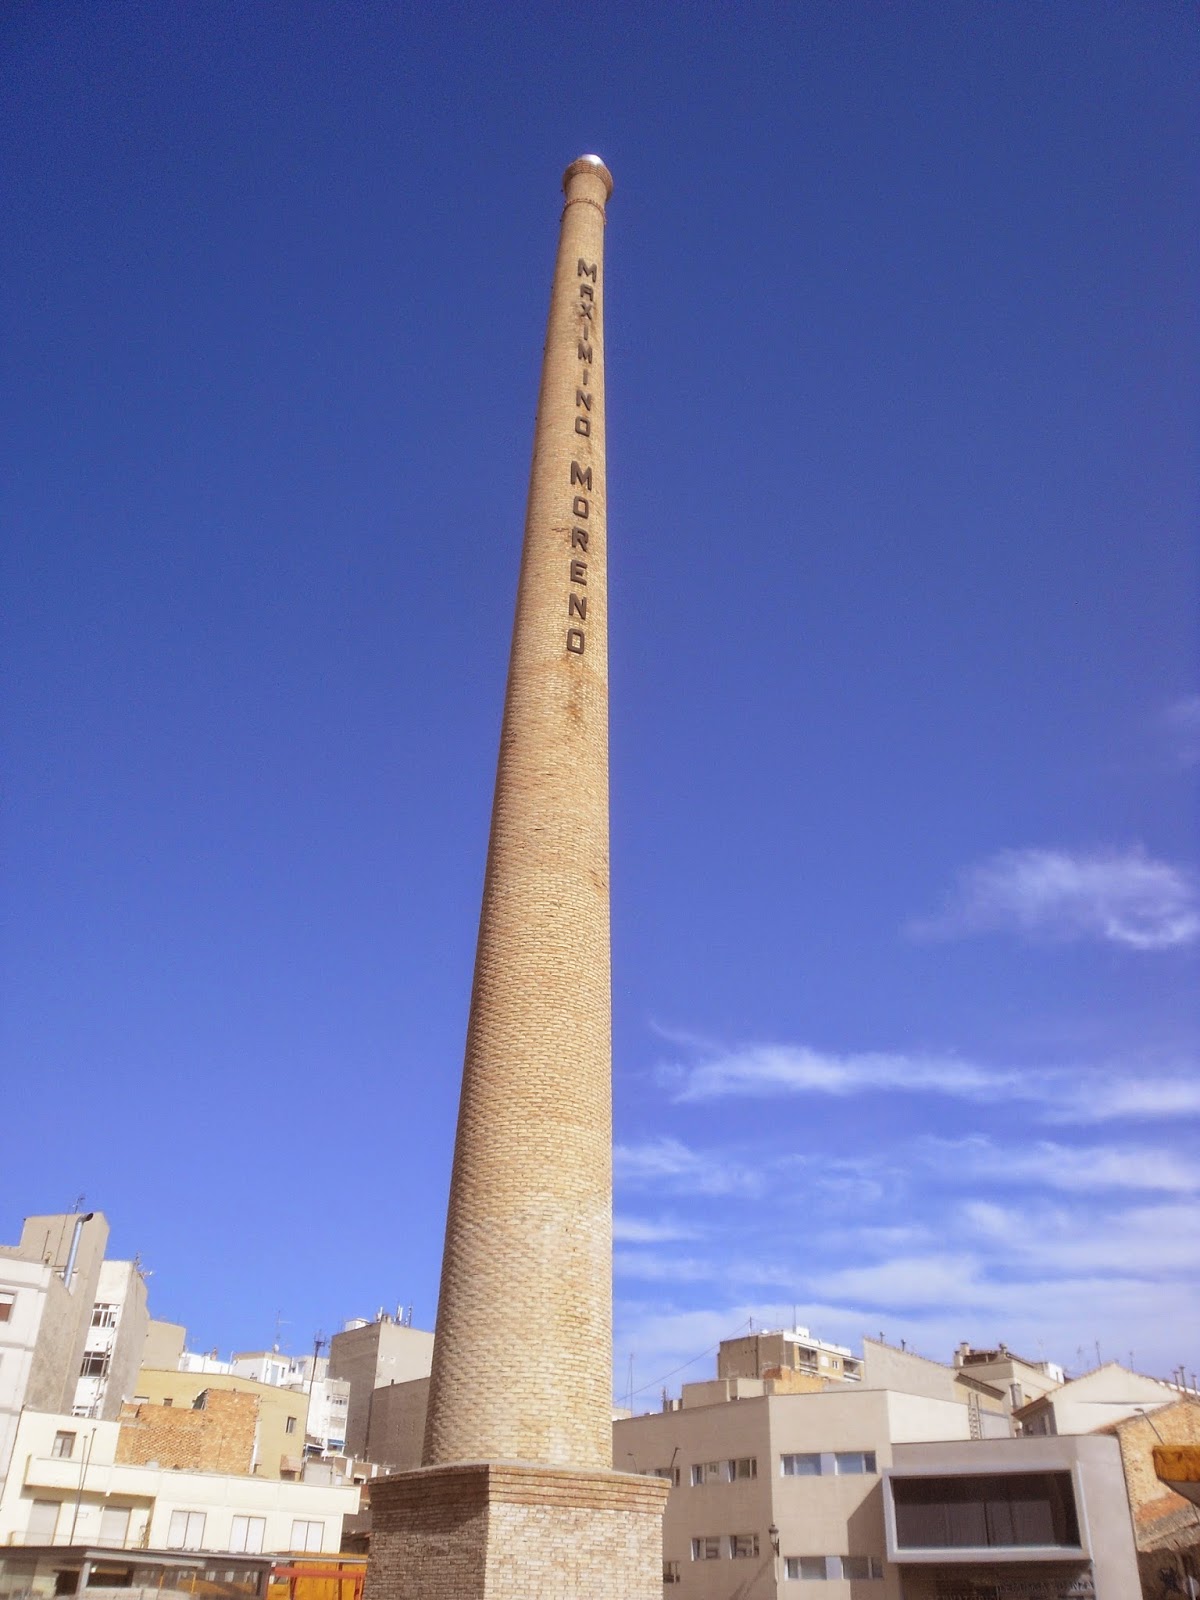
(319, 1343)
(280, 1322)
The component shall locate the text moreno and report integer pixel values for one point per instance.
(581, 477)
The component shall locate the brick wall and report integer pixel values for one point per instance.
(522, 1364)
(1161, 1518)
(510, 1532)
(219, 1437)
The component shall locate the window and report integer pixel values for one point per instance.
(707, 1549)
(847, 1462)
(860, 1567)
(104, 1316)
(743, 1545)
(743, 1467)
(248, 1535)
(1002, 1511)
(707, 1472)
(671, 1573)
(7, 1302)
(806, 1567)
(114, 1526)
(290, 1425)
(43, 1519)
(64, 1446)
(95, 1364)
(307, 1535)
(168, 1401)
(671, 1474)
(848, 1568)
(186, 1531)
(802, 1466)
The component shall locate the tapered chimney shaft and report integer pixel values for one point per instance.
(522, 1365)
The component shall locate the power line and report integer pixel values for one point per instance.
(654, 1384)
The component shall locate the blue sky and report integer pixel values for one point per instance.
(905, 701)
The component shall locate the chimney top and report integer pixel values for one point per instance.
(596, 167)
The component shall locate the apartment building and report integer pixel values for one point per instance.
(785, 1354)
(71, 1483)
(775, 1487)
(48, 1283)
(372, 1356)
(328, 1398)
(114, 1343)
(281, 1417)
(1094, 1400)
(1041, 1517)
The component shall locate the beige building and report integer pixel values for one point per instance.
(1095, 1400)
(282, 1413)
(164, 1345)
(774, 1488)
(1146, 1416)
(370, 1357)
(787, 1354)
(68, 1485)
(72, 1324)
(1042, 1517)
(1022, 1380)
(807, 1465)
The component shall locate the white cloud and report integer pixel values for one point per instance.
(654, 1266)
(1113, 1096)
(1058, 1094)
(668, 1166)
(638, 1230)
(768, 1069)
(1140, 1243)
(903, 1283)
(1051, 1165)
(1121, 897)
(1182, 719)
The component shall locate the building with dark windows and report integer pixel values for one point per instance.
(904, 1483)
(1012, 1518)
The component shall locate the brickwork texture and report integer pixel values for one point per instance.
(1161, 1518)
(509, 1531)
(522, 1358)
(217, 1438)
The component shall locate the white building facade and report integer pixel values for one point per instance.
(65, 1486)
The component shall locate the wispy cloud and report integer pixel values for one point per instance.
(1122, 897)
(1135, 1243)
(768, 1069)
(1182, 721)
(1084, 1095)
(663, 1230)
(1112, 1096)
(653, 1266)
(668, 1166)
(1048, 1164)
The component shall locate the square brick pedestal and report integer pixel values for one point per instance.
(514, 1531)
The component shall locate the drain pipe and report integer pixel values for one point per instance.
(69, 1269)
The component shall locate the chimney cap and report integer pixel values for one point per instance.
(595, 166)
